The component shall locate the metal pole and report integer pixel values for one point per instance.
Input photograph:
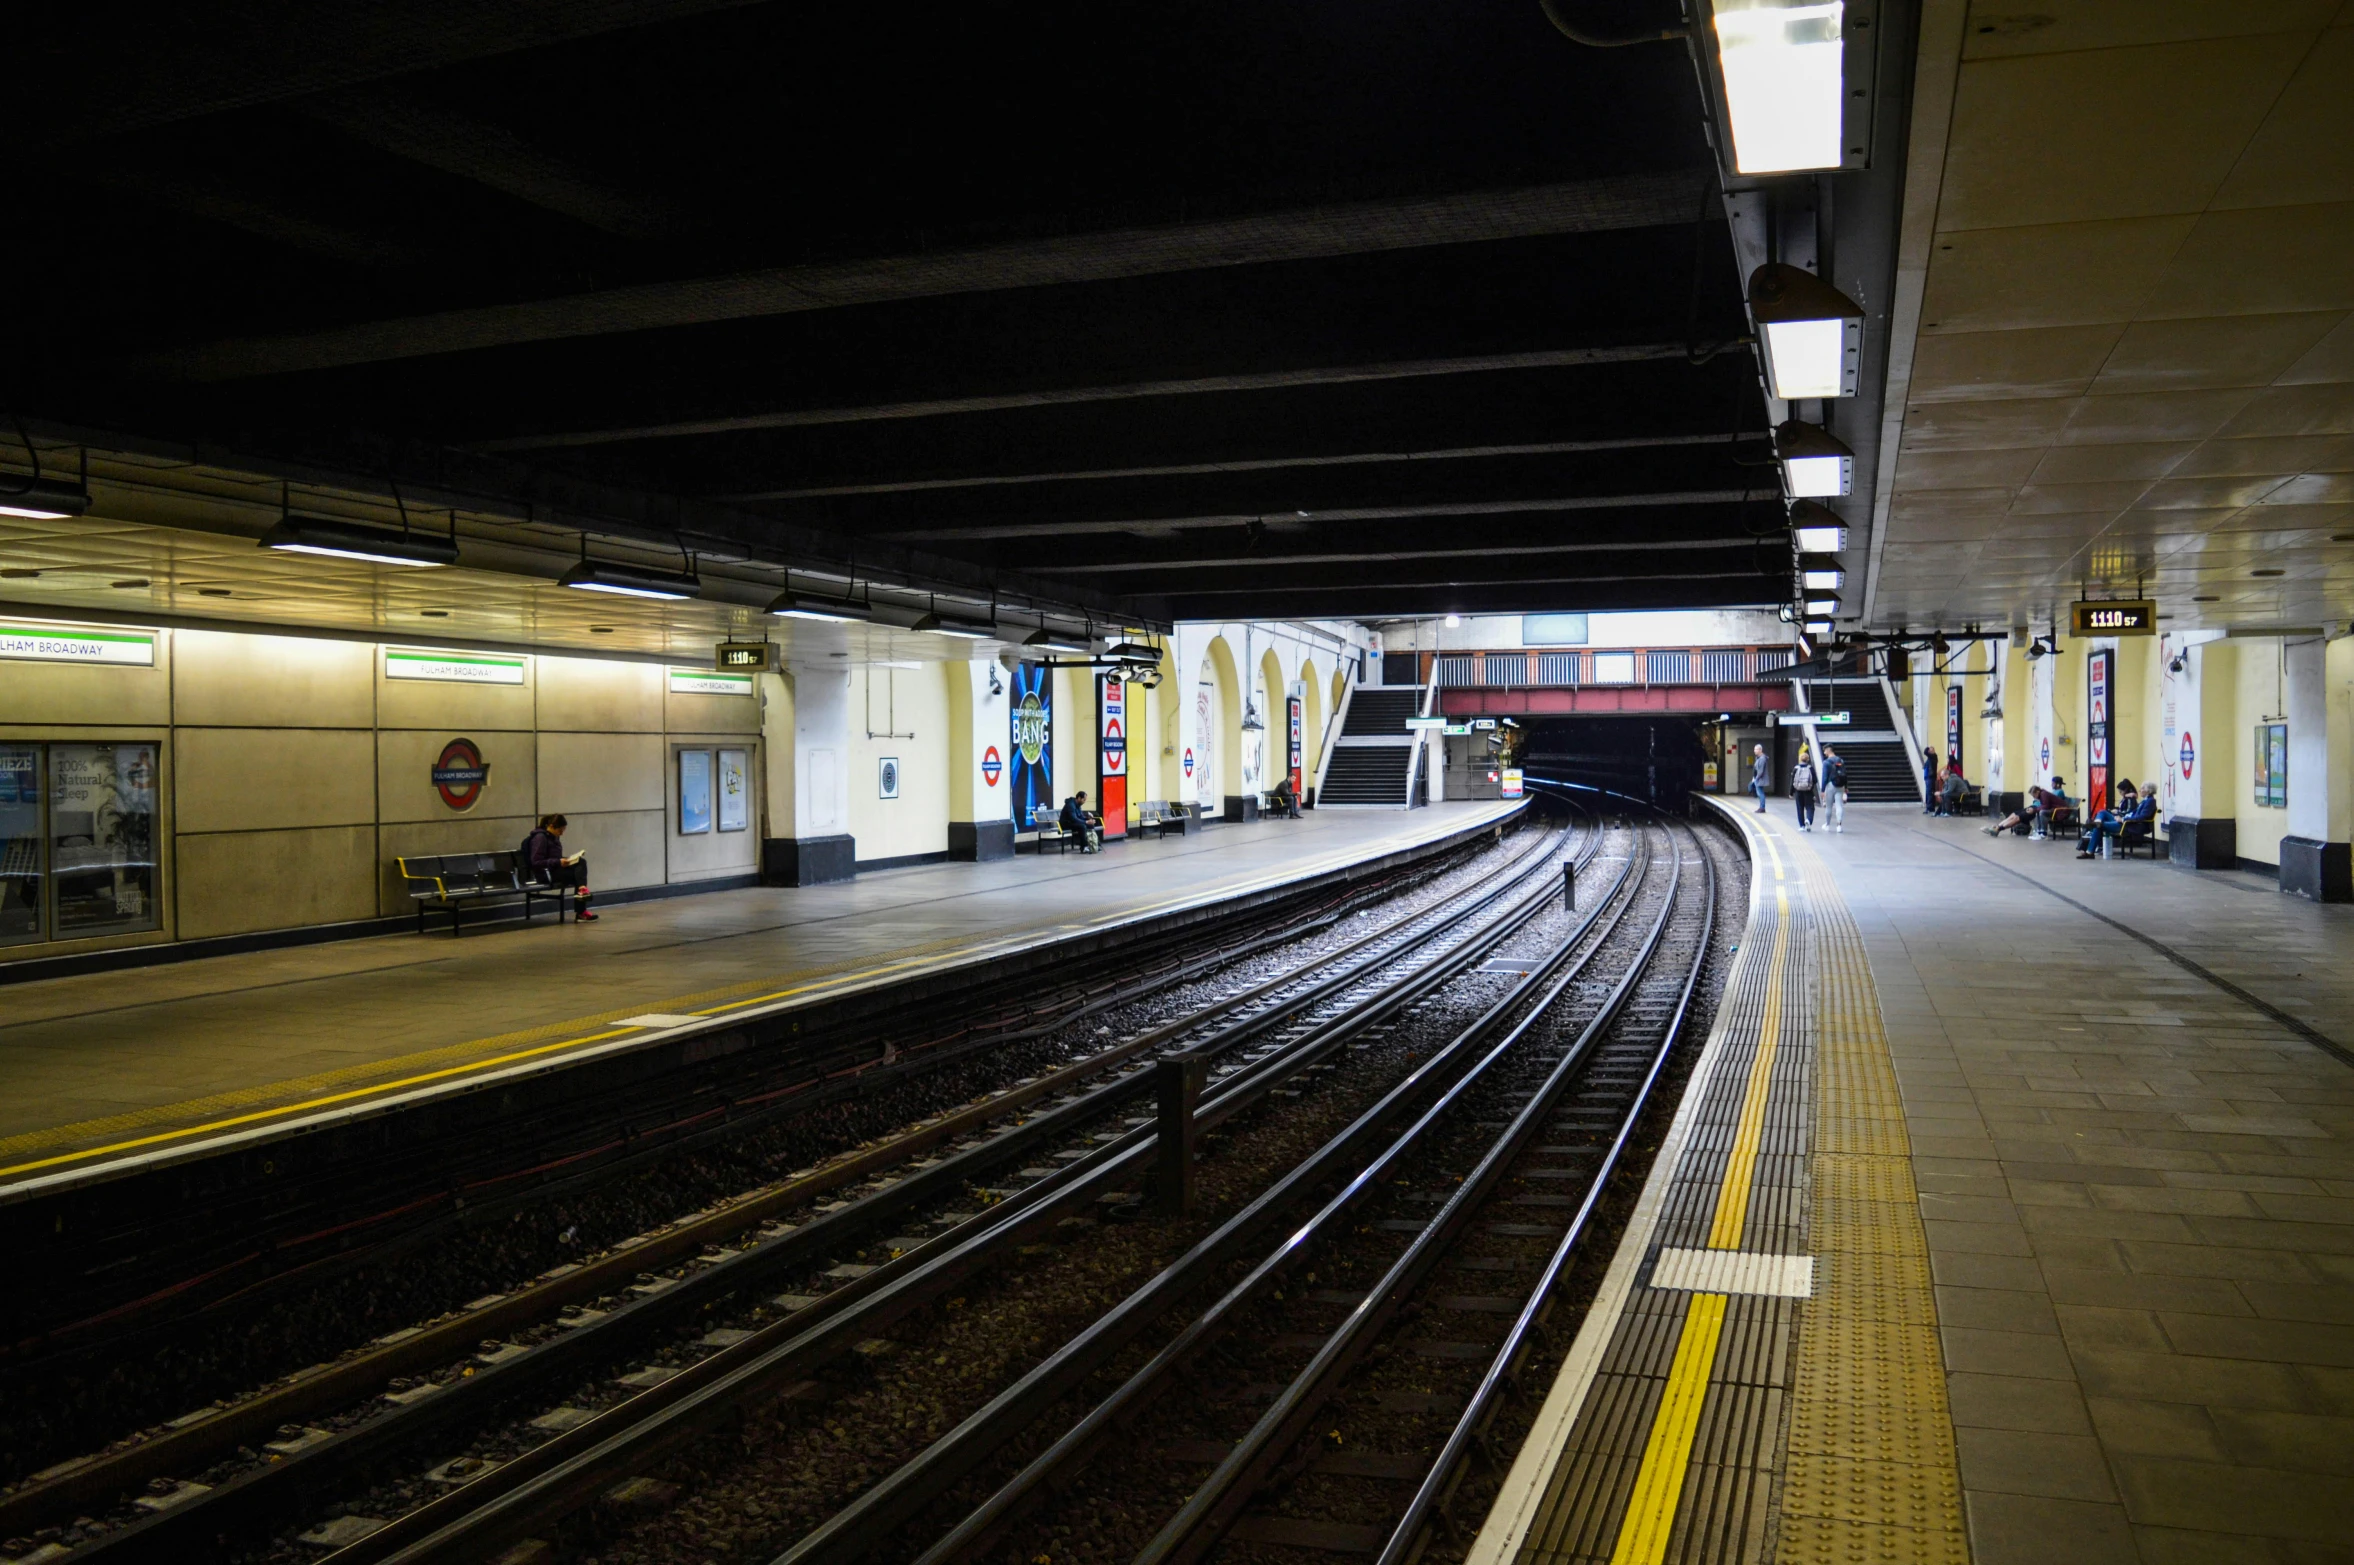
(1179, 1079)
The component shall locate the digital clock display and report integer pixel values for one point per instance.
(2120, 617)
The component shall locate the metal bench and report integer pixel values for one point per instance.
(1047, 822)
(455, 882)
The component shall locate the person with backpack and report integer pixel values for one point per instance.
(544, 861)
(1834, 790)
(1802, 788)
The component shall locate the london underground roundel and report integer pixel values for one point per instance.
(2047, 757)
(992, 766)
(2190, 755)
(1189, 760)
(459, 773)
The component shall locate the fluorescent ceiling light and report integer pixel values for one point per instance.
(935, 624)
(1044, 640)
(826, 611)
(1818, 627)
(1822, 605)
(1821, 540)
(1815, 462)
(1813, 334)
(357, 541)
(1454, 620)
(44, 499)
(1134, 652)
(1784, 90)
(1822, 576)
(630, 581)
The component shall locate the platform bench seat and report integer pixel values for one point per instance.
(1047, 822)
(1160, 818)
(454, 882)
(2137, 834)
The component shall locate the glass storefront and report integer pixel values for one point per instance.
(77, 841)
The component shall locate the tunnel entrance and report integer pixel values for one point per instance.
(1653, 756)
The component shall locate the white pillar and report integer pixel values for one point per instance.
(814, 845)
(980, 742)
(2314, 857)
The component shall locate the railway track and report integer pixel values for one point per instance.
(1261, 1038)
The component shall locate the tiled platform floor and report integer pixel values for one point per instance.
(2138, 1190)
(108, 1059)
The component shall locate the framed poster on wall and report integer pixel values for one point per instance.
(1111, 760)
(1031, 719)
(694, 792)
(887, 778)
(735, 790)
(2100, 680)
(2272, 765)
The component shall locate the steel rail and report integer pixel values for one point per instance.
(232, 1504)
(1221, 1498)
(1503, 1373)
(556, 1477)
(1078, 1444)
(874, 1514)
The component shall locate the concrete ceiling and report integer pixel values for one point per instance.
(2125, 333)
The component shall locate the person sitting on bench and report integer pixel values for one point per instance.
(2040, 801)
(544, 861)
(1952, 791)
(1085, 829)
(1282, 801)
(2130, 807)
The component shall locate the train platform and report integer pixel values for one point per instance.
(99, 1071)
(2009, 1217)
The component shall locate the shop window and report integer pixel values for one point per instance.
(101, 869)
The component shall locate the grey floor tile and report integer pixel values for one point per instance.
(2017, 1402)
(2017, 1461)
(2016, 1529)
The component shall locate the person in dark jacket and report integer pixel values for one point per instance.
(1928, 782)
(544, 861)
(1081, 825)
(1802, 788)
(1834, 790)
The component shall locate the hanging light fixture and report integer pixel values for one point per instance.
(789, 604)
(1817, 529)
(1785, 90)
(44, 499)
(1813, 334)
(1819, 572)
(1814, 461)
(347, 540)
(1045, 640)
(937, 624)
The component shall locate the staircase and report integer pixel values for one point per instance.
(1370, 759)
(1879, 767)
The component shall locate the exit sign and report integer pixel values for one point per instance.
(2115, 617)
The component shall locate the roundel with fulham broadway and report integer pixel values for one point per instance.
(459, 773)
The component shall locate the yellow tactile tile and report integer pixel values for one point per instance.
(1815, 1540)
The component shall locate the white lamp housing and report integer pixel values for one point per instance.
(1784, 86)
(1818, 627)
(1817, 529)
(1824, 576)
(1815, 462)
(1813, 334)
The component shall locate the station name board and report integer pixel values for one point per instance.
(2115, 617)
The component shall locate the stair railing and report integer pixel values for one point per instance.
(1333, 726)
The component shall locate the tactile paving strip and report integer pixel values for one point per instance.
(1869, 1473)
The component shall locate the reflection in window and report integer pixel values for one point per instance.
(20, 843)
(102, 838)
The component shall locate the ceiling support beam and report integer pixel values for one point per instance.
(1584, 206)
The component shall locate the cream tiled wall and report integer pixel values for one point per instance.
(295, 772)
(910, 701)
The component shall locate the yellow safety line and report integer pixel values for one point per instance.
(1667, 1454)
(1773, 848)
(1732, 1201)
(331, 1099)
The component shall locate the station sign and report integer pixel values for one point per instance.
(1426, 722)
(2114, 617)
(1511, 785)
(41, 644)
(455, 668)
(1457, 729)
(708, 682)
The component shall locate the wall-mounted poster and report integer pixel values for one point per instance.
(887, 778)
(2272, 765)
(2100, 681)
(1031, 702)
(735, 791)
(694, 792)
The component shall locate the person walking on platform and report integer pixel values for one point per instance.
(1757, 775)
(544, 861)
(1834, 790)
(1928, 782)
(1802, 788)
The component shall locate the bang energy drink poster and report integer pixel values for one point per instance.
(1031, 747)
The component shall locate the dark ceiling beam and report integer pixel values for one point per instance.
(1367, 513)
(1278, 558)
(1588, 594)
(456, 143)
(170, 65)
(1557, 480)
(1067, 396)
(1604, 205)
(1244, 465)
(217, 199)
(1271, 580)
